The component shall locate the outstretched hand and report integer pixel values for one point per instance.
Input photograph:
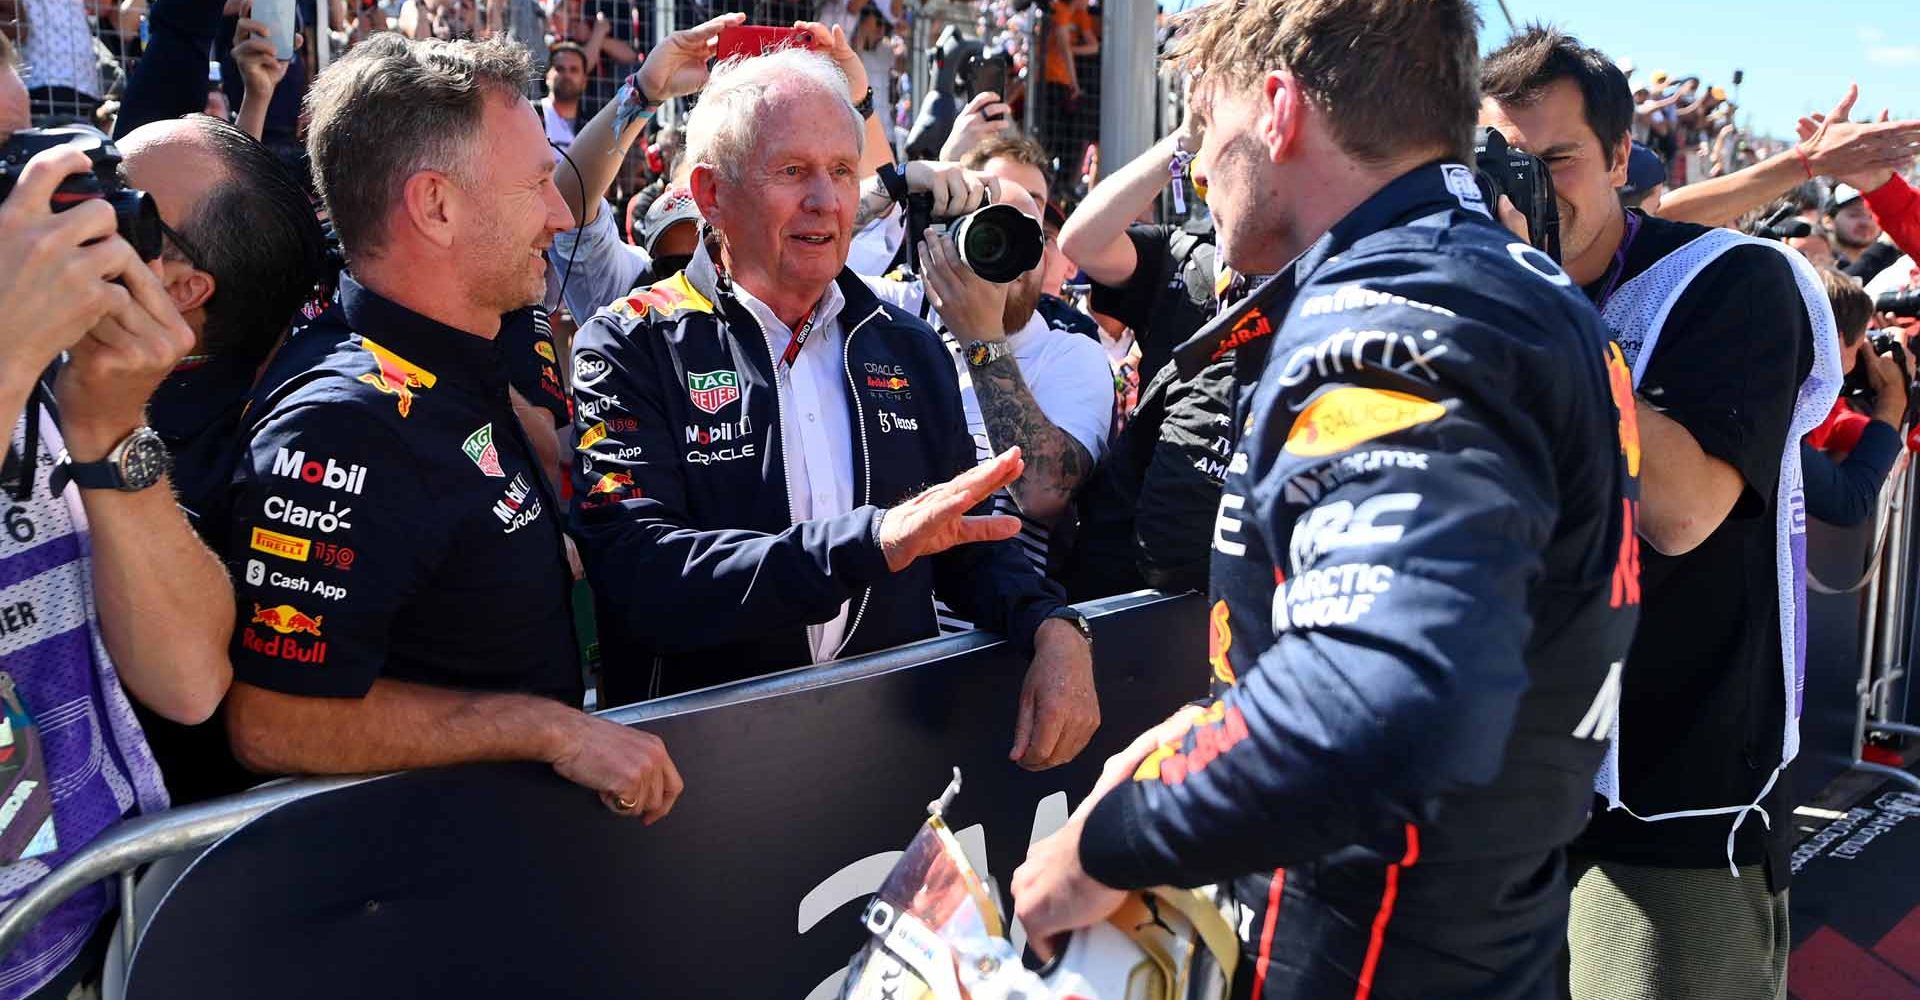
(937, 520)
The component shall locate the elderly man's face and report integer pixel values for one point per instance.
(788, 220)
(513, 208)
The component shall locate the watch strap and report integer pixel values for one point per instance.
(865, 105)
(982, 353)
(894, 182)
(101, 475)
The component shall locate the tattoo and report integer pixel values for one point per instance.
(876, 204)
(1056, 463)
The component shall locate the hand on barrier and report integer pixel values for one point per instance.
(937, 519)
(629, 768)
(1059, 708)
(57, 271)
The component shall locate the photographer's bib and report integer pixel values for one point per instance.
(1636, 313)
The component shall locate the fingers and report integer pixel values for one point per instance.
(701, 33)
(987, 528)
(32, 194)
(1845, 107)
(1048, 723)
(671, 786)
(249, 28)
(983, 480)
(979, 103)
(1022, 727)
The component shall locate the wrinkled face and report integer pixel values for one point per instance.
(1024, 187)
(567, 76)
(1854, 226)
(1815, 248)
(510, 208)
(787, 220)
(1555, 129)
(1233, 166)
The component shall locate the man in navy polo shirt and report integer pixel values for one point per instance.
(403, 591)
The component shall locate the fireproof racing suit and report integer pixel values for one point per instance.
(1423, 587)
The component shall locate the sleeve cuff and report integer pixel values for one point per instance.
(1108, 850)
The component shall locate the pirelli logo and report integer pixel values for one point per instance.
(284, 546)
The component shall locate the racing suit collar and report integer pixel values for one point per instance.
(1425, 190)
(423, 341)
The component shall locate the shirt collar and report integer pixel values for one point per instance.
(704, 273)
(1425, 190)
(426, 342)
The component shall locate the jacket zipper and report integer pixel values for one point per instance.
(780, 411)
(866, 461)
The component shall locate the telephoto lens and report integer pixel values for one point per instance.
(999, 242)
(1905, 303)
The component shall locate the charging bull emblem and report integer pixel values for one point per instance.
(396, 375)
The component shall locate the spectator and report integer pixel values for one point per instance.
(389, 483)
(1741, 365)
(1852, 224)
(605, 34)
(1845, 490)
(1646, 180)
(566, 82)
(261, 72)
(110, 597)
(729, 481)
(670, 231)
(1829, 145)
(1150, 510)
(447, 20)
(1071, 34)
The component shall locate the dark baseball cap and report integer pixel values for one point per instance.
(1645, 171)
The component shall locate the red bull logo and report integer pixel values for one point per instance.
(673, 295)
(612, 484)
(287, 620)
(1219, 640)
(1620, 381)
(396, 375)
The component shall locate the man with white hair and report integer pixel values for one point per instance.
(773, 467)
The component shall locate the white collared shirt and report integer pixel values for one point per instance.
(816, 432)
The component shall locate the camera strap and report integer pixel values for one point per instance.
(1619, 268)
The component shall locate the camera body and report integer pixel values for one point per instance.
(1885, 343)
(999, 242)
(139, 221)
(1905, 303)
(1525, 180)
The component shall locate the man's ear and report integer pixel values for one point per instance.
(1285, 106)
(188, 287)
(431, 205)
(1622, 151)
(704, 182)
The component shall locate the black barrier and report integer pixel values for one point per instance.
(1837, 557)
(503, 881)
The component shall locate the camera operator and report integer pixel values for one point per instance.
(1742, 364)
(105, 592)
(1420, 595)
(1023, 384)
(749, 427)
(1843, 491)
(405, 596)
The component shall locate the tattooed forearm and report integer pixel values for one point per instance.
(875, 203)
(1056, 463)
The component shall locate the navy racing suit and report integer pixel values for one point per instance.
(1423, 586)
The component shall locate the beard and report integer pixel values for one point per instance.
(1023, 296)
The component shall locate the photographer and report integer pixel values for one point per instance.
(1843, 491)
(107, 592)
(750, 426)
(1740, 364)
(1023, 384)
(405, 594)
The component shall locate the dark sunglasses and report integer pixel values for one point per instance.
(180, 243)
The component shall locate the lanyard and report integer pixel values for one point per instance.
(800, 336)
(1619, 267)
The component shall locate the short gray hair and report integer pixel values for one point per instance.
(392, 108)
(721, 126)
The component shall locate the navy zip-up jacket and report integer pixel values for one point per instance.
(680, 502)
(1423, 576)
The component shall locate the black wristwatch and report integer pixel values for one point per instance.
(137, 462)
(865, 105)
(1075, 619)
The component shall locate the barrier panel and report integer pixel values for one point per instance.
(504, 881)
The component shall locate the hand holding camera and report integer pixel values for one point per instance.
(1888, 379)
(971, 306)
(61, 253)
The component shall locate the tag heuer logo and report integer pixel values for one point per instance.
(479, 447)
(712, 391)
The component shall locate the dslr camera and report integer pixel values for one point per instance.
(999, 242)
(1525, 180)
(139, 221)
(1906, 303)
(1885, 343)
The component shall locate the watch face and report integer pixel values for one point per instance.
(144, 461)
